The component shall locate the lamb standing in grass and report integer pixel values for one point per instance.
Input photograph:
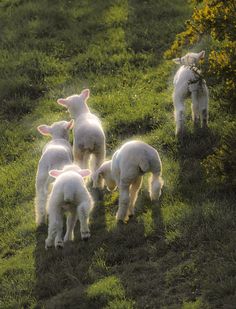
(55, 155)
(189, 82)
(69, 193)
(126, 170)
(89, 137)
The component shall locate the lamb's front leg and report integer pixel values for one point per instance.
(122, 212)
(134, 190)
(70, 225)
(83, 214)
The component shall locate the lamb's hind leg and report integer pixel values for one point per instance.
(134, 190)
(55, 225)
(42, 182)
(203, 102)
(83, 214)
(99, 158)
(70, 225)
(179, 114)
(195, 109)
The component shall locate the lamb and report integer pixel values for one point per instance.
(89, 137)
(69, 193)
(126, 169)
(188, 81)
(56, 154)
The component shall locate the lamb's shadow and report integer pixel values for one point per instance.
(191, 151)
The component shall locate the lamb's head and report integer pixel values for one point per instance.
(70, 168)
(76, 104)
(58, 130)
(104, 173)
(190, 58)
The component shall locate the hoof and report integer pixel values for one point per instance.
(85, 236)
(59, 245)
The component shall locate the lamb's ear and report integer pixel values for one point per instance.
(85, 93)
(55, 173)
(201, 55)
(63, 102)
(70, 124)
(44, 129)
(85, 173)
(177, 60)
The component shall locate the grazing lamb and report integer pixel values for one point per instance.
(126, 170)
(55, 155)
(89, 137)
(69, 193)
(188, 81)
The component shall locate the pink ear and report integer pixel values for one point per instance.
(85, 94)
(62, 102)
(85, 173)
(55, 173)
(70, 124)
(44, 129)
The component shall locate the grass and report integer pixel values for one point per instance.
(179, 253)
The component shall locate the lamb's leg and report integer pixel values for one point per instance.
(121, 214)
(99, 158)
(83, 214)
(55, 226)
(42, 181)
(70, 225)
(179, 114)
(134, 190)
(195, 108)
(78, 155)
(85, 160)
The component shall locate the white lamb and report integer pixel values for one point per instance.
(89, 137)
(188, 82)
(55, 155)
(126, 170)
(69, 193)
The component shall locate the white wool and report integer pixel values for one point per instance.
(70, 194)
(187, 83)
(89, 138)
(126, 170)
(55, 155)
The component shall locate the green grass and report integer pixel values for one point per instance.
(178, 253)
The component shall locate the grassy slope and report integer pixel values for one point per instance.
(178, 254)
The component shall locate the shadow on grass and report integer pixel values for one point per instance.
(65, 277)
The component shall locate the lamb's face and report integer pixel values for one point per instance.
(58, 130)
(76, 104)
(190, 58)
(110, 183)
